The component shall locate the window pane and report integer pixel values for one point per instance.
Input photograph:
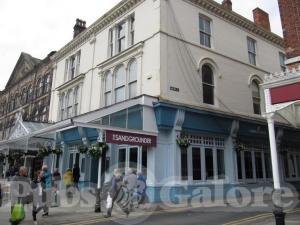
(208, 85)
(292, 168)
(120, 76)
(258, 165)
(82, 168)
(135, 118)
(122, 159)
(268, 165)
(108, 82)
(248, 165)
(239, 165)
(298, 164)
(133, 158)
(118, 119)
(120, 94)
(286, 164)
(221, 164)
(107, 98)
(209, 164)
(71, 161)
(132, 90)
(144, 161)
(133, 71)
(184, 165)
(196, 163)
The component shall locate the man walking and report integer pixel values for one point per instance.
(46, 181)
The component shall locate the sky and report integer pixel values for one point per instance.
(38, 27)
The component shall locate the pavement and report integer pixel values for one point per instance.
(206, 214)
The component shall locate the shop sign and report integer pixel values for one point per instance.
(118, 137)
(286, 93)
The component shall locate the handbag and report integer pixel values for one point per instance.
(109, 202)
(18, 213)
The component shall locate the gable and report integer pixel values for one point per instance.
(24, 65)
(19, 130)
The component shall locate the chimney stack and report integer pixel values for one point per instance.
(227, 4)
(261, 19)
(290, 19)
(79, 27)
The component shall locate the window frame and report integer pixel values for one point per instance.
(204, 33)
(252, 53)
(208, 86)
(256, 100)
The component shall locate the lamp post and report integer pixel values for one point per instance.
(278, 210)
(98, 191)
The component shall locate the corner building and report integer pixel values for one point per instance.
(164, 71)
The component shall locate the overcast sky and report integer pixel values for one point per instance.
(38, 27)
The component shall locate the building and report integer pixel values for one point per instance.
(149, 75)
(290, 18)
(26, 96)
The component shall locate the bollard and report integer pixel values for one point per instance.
(279, 216)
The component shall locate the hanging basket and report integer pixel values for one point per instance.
(57, 151)
(44, 152)
(183, 143)
(97, 150)
(82, 149)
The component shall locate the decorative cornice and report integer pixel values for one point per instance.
(134, 51)
(216, 8)
(119, 10)
(71, 83)
(283, 78)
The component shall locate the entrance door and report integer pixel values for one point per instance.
(77, 159)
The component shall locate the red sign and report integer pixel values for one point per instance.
(118, 137)
(286, 93)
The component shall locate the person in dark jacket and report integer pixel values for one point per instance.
(76, 175)
(116, 183)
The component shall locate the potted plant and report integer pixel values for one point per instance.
(183, 143)
(82, 149)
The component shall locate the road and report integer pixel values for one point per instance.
(199, 216)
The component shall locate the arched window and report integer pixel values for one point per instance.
(108, 88)
(24, 96)
(256, 97)
(120, 80)
(132, 79)
(208, 84)
(47, 83)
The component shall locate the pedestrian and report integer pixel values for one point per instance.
(37, 195)
(76, 175)
(116, 184)
(130, 181)
(141, 189)
(46, 182)
(56, 178)
(21, 192)
(69, 183)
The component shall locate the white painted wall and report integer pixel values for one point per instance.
(229, 55)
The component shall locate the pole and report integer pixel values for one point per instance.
(278, 210)
(98, 192)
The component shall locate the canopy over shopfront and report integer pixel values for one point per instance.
(282, 97)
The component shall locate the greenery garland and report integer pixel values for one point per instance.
(183, 142)
(82, 149)
(97, 150)
(44, 151)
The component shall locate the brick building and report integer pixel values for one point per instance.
(290, 18)
(27, 91)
